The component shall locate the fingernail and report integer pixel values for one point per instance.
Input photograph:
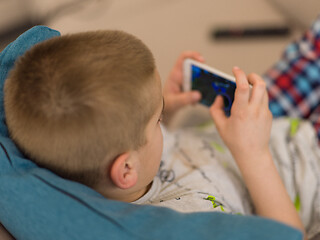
(201, 58)
(236, 68)
(196, 96)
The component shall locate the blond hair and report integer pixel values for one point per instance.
(75, 100)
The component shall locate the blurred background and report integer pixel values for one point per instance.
(250, 34)
(169, 27)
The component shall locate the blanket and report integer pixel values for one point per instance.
(198, 173)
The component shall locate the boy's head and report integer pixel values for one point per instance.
(81, 104)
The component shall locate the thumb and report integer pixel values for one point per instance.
(217, 113)
(186, 98)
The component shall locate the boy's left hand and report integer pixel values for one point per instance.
(174, 97)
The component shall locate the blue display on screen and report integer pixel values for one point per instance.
(210, 85)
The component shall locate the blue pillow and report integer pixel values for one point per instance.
(37, 204)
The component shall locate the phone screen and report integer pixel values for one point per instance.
(210, 85)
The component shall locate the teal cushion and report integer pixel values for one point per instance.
(37, 204)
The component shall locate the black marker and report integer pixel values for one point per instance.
(250, 32)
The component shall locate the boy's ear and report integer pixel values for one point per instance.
(123, 172)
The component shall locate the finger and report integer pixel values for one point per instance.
(186, 98)
(192, 54)
(217, 112)
(189, 54)
(195, 56)
(177, 70)
(258, 89)
(265, 101)
(171, 87)
(241, 96)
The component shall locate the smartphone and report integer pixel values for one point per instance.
(210, 82)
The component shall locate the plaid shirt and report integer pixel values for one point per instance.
(294, 81)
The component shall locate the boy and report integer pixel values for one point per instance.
(88, 107)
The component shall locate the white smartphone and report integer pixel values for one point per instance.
(210, 82)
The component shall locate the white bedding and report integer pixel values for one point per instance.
(198, 173)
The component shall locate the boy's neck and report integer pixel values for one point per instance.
(124, 195)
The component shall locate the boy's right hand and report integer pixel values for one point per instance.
(246, 133)
(247, 130)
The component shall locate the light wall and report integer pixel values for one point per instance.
(172, 26)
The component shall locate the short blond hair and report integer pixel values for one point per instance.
(75, 100)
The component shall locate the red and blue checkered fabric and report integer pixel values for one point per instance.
(294, 81)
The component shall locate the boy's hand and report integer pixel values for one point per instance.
(247, 130)
(246, 133)
(174, 97)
